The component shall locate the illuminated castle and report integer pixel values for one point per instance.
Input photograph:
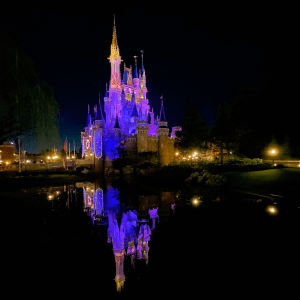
(129, 119)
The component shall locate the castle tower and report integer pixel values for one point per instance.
(143, 79)
(115, 61)
(112, 106)
(162, 130)
(135, 76)
(142, 136)
(165, 144)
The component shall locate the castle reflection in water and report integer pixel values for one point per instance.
(128, 225)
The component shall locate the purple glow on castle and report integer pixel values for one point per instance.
(127, 111)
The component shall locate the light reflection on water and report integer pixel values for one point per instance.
(129, 222)
(128, 229)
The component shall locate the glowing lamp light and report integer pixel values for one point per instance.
(28, 161)
(7, 162)
(50, 197)
(68, 157)
(184, 158)
(48, 157)
(275, 165)
(176, 153)
(272, 210)
(189, 156)
(196, 202)
(273, 151)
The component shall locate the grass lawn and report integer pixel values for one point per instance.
(283, 181)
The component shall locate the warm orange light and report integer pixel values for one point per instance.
(272, 210)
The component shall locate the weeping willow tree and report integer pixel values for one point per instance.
(28, 104)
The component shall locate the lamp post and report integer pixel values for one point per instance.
(273, 152)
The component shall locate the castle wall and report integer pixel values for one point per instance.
(152, 144)
(166, 150)
(142, 142)
(131, 145)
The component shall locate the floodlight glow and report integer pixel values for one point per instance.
(272, 210)
(196, 202)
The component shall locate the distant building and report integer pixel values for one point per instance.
(129, 120)
(7, 153)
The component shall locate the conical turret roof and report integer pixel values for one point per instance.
(89, 118)
(162, 117)
(117, 125)
(134, 112)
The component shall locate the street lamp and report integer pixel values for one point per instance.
(273, 153)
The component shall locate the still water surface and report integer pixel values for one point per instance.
(103, 239)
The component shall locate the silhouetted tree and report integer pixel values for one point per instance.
(224, 132)
(194, 132)
(28, 105)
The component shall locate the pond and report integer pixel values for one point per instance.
(90, 238)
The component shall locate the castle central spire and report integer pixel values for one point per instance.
(115, 60)
(114, 48)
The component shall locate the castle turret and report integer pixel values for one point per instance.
(135, 76)
(162, 129)
(143, 78)
(165, 144)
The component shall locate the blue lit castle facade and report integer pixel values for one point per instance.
(129, 119)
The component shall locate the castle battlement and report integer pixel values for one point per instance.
(152, 137)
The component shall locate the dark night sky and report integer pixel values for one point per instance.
(189, 53)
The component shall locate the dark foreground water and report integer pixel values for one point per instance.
(92, 240)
